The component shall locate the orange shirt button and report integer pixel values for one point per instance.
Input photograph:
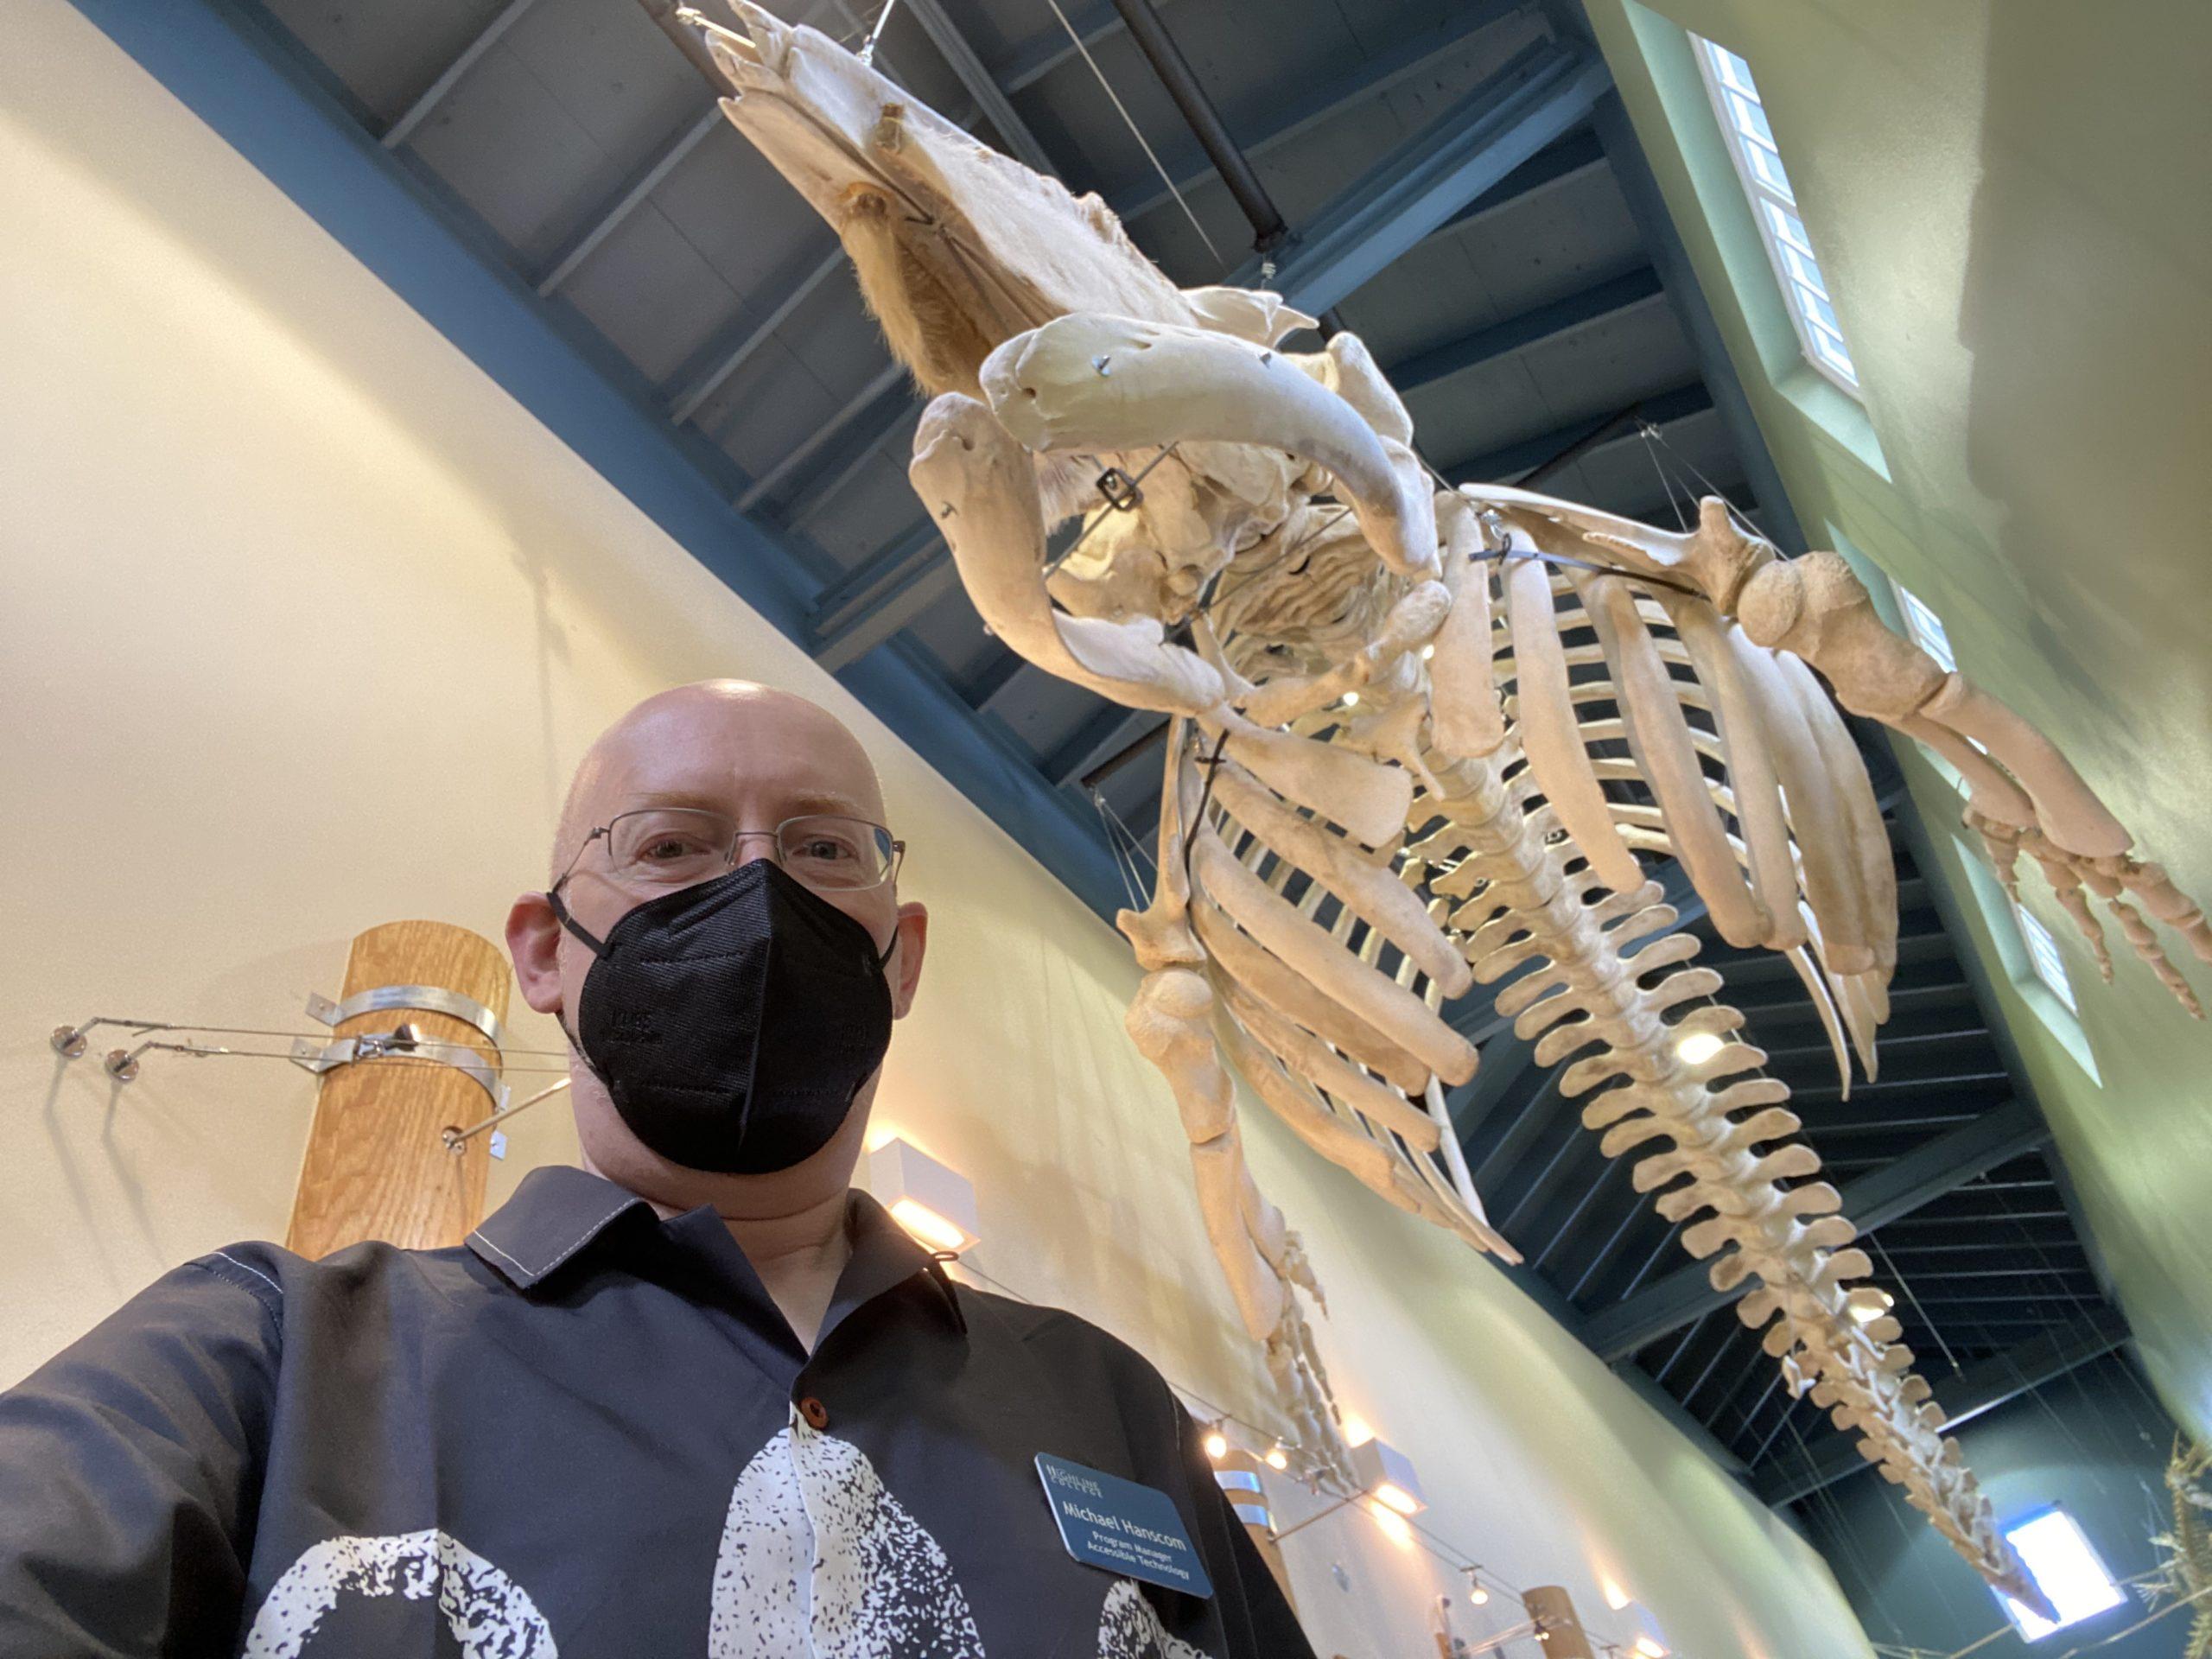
(816, 1413)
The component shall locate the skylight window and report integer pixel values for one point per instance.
(1925, 626)
(2065, 1568)
(2044, 957)
(1774, 204)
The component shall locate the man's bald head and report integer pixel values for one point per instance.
(759, 757)
(731, 746)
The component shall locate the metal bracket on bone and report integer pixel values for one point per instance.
(404, 1042)
(428, 999)
(1120, 490)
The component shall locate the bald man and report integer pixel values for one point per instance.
(698, 1396)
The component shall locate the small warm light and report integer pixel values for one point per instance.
(1392, 1523)
(1277, 1457)
(1351, 699)
(936, 1205)
(1867, 1304)
(1357, 1431)
(926, 1224)
(1217, 1445)
(1699, 1046)
(1616, 1597)
(1646, 1648)
(1397, 1498)
(1427, 652)
(1479, 1596)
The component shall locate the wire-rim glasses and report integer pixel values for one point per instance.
(668, 847)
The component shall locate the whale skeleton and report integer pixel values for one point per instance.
(1422, 738)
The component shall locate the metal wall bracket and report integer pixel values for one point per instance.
(404, 1042)
(429, 999)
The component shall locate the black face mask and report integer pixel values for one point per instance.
(734, 1021)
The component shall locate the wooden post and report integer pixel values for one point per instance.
(376, 1165)
(1554, 1610)
(1237, 1472)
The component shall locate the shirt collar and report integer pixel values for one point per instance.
(558, 1212)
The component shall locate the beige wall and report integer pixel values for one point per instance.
(2009, 204)
(303, 622)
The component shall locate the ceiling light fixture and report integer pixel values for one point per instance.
(1868, 1303)
(1699, 1047)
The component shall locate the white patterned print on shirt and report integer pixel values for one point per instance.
(818, 1559)
(490, 1614)
(818, 1562)
(1129, 1628)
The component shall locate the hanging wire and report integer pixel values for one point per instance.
(205, 1051)
(1905, 1285)
(1105, 513)
(1124, 866)
(476, 1044)
(1130, 123)
(1655, 438)
(867, 53)
(1650, 434)
(1137, 847)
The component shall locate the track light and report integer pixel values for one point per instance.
(1278, 1456)
(1217, 1443)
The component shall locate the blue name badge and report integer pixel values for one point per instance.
(1117, 1524)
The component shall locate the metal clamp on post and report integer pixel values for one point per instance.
(404, 1042)
(429, 999)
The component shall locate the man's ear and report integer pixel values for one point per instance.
(534, 942)
(907, 965)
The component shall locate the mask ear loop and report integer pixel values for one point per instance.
(598, 951)
(597, 947)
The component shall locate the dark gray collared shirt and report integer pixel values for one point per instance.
(591, 1432)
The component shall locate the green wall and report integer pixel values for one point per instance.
(2008, 200)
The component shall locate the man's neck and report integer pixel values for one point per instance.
(798, 1256)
